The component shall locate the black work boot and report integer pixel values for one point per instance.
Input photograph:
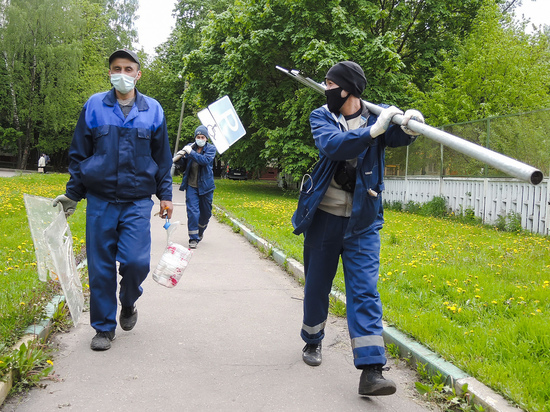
(311, 354)
(372, 383)
(102, 340)
(128, 317)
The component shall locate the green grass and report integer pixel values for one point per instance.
(23, 295)
(477, 296)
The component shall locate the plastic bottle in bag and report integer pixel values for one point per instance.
(173, 262)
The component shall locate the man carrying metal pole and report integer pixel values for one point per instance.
(340, 213)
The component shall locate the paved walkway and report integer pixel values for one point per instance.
(226, 338)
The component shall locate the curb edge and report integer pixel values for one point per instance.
(39, 331)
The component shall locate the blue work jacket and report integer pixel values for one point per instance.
(205, 159)
(336, 143)
(120, 159)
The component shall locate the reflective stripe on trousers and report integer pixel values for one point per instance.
(199, 211)
(324, 243)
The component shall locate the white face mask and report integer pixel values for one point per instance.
(200, 142)
(123, 83)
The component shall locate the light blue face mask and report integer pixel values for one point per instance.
(200, 142)
(123, 83)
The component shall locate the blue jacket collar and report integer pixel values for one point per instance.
(110, 100)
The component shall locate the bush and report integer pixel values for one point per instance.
(509, 223)
(412, 207)
(393, 205)
(468, 216)
(437, 207)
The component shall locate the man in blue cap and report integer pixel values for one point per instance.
(197, 160)
(340, 213)
(119, 157)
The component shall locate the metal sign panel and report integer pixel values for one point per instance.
(223, 123)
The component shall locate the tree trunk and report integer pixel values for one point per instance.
(15, 112)
(29, 135)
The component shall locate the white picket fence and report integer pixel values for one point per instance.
(487, 197)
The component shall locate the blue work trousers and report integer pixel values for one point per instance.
(199, 211)
(116, 232)
(324, 243)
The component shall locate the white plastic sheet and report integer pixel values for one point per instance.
(41, 214)
(53, 244)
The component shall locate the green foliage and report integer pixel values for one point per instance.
(61, 320)
(434, 389)
(436, 207)
(8, 139)
(510, 222)
(393, 350)
(29, 364)
(468, 216)
(412, 207)
(498, 70)
(54, 56)
(41, 55)
(393, 205)
(337, 307)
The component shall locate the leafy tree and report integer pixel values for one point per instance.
(53, 56)
(41, 54)
(240, 49)
(120, 30)
(499, 69)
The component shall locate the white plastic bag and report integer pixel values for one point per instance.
(53, 244)
(173, 262)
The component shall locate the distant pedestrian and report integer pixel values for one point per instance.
(340, 213)
(42, 164)
(197, 161)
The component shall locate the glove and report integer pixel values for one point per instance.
(383, 121)
(414, 115)
(69, 205)
(187, 149)
(178, 155)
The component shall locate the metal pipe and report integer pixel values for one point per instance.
(499, 161)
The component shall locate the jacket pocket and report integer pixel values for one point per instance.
(143, 144)
(99, 139)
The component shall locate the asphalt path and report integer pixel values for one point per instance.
(226, 338)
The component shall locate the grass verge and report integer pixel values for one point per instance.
(23, 295)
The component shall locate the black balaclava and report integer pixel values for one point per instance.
(350, 77)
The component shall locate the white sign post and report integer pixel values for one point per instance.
(223, 123)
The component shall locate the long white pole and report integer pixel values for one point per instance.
(499, 161)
